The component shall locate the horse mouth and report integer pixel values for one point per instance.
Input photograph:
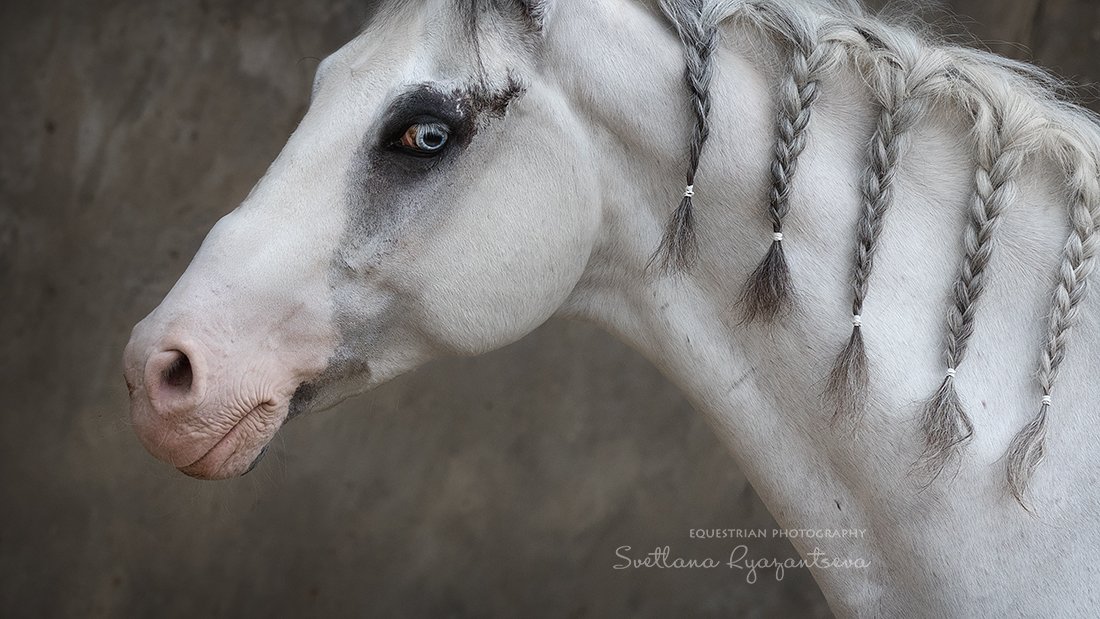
(239, 450)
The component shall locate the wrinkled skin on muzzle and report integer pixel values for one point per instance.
(437, 199)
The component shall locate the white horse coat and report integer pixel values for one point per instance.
(366, 251)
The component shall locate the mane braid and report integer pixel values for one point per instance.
(899, 109)
(1027, 449)
(698, 31)
(1016, 114)
(769, 291)
(945, 423)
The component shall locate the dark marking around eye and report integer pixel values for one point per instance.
(425, 105)
(461, 110)
(390, 183)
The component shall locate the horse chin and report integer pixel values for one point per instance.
(239, 450)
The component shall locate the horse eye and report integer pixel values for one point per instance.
(426, 138)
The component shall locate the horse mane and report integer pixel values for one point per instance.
(1016, 113)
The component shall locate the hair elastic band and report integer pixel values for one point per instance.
(689, 191)
(1047, 400)
(778, 236)
(952, 372)
(857, 320)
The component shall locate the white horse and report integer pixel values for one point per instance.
(468, 169)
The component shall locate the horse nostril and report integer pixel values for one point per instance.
(171, 382)
(178, 373)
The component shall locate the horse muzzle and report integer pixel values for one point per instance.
(210, 405)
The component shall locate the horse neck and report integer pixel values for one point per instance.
(689, 323)
(761, 384)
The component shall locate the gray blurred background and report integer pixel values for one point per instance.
(498, 486)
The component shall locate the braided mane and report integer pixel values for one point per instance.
(1016, 116)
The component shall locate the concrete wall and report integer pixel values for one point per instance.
(495, 486)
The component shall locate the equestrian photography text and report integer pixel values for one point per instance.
(740, 556)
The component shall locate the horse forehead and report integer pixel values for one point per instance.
(433, 40)
(427, 27)
(385, 46)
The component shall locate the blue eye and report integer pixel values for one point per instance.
(426, 138)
